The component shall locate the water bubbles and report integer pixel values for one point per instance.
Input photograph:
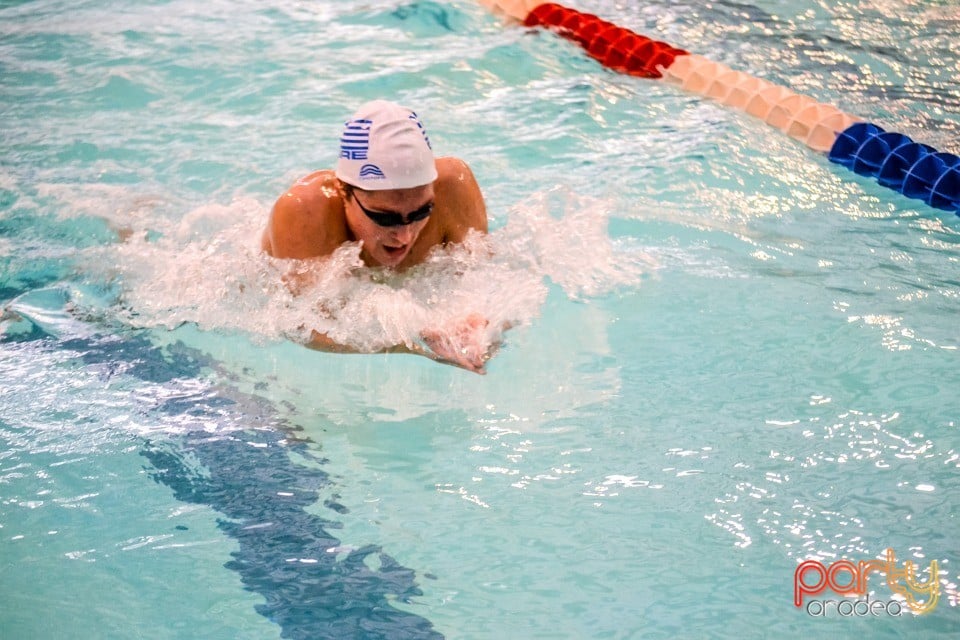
(207, 268)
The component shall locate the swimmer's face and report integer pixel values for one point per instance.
(406, 211)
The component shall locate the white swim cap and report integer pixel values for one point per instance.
(384, 147)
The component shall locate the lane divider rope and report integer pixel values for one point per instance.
(916, 170)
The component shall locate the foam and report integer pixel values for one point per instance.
(208, 269)
(117, 205)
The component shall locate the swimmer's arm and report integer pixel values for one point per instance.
(296, 228)
(440, 350)
(322, 342)
(460, 186)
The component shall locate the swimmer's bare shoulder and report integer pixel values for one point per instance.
(460, 201)
(307, 220)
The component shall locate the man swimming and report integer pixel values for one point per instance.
(392, 196)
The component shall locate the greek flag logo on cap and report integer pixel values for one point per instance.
(355, 141)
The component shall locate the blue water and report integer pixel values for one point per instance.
(729, 356)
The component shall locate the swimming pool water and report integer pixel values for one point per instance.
(730, 355)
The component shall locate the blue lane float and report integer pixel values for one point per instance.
(916, 170)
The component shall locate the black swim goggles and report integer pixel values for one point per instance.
(390, 219)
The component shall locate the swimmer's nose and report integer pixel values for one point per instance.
(404, 234)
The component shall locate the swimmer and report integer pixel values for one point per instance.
(392, 196)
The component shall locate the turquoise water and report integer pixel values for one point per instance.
(730, 355)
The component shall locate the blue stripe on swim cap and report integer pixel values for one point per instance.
(413, 116)
(355, 141)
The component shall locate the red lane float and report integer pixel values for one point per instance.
(614, 47)
(820, 126)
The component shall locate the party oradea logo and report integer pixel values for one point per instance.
(850, 581)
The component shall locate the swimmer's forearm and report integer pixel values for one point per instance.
(322, 342)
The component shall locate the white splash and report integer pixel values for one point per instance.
(207, 268)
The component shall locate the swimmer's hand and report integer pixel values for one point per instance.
(465, 343)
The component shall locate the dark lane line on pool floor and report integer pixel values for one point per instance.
(312, 587)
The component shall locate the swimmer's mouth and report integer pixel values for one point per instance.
(395, 251)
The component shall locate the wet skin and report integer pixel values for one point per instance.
(319, 213)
